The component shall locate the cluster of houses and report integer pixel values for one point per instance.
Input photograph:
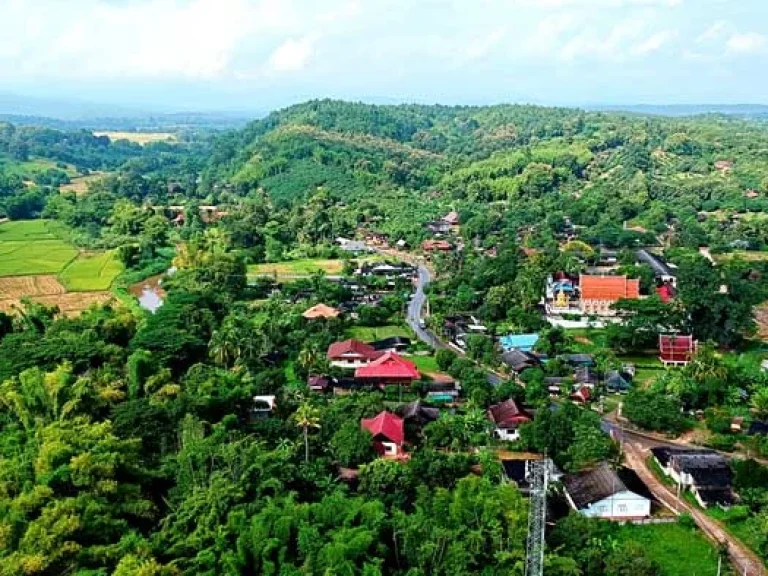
(439, 229)
(376, 366)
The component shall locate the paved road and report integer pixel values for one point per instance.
(743, 560)
(416, 309)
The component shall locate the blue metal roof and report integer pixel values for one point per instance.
(524, 342)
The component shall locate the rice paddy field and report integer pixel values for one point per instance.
(35, 263)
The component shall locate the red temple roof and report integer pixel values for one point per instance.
(387, 425)
(390, 365)
(676, 348)
(608, 287)
(341, 350)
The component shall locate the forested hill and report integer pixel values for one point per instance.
(599, 169)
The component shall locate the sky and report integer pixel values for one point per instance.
(262, 54)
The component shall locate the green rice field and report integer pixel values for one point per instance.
(91, 272)
(32, 247)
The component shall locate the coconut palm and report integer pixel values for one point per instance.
(307, 416)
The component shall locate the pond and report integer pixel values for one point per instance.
(149, 293)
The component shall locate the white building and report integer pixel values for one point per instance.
(600, 493)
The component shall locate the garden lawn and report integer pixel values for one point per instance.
(371, 333)
(679, 550)
(425, 363)
(91, 272)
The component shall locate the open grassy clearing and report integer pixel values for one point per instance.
(91, 272)
(28, 230)
(679, 550)
(746, 255)
(139, 137)
(303, 267)
(371, 333)
(79, 185)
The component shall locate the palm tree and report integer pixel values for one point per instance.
(760, 402)
(307, 416)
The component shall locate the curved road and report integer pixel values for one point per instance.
(636, 448)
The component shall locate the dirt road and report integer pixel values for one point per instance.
(744, 561)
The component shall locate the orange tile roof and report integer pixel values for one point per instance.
(321, 311)
(608, 287)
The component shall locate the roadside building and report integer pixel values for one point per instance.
(705, 473)
(391, 344)
(600, 493)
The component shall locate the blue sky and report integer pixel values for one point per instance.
(259, 54)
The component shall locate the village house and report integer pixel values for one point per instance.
(507, 417)
(351, 354)
(388, 433)
(391, 344)
(518, 361)
(263, 406)
(522, 342)
(321, 311)
(662, 271)
(600, 493)
(617, 381)
(436, 246)
(676, 350)
(438, 227)
(320, 383)
(600, 293)
(582, 395)
(705, 473)
(388, 369)
(452, 218)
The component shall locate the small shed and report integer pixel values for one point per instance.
(600, 493)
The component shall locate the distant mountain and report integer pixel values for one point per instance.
(742, 110)
(77, 114)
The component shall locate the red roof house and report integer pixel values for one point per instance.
(676, 350)
(452, 218)
(388, 433)
(582, 395)
(351, 354)
(432, 245)
(598, 293)
(666, 292)
(389, 369)
(507, 418)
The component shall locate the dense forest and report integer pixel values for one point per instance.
(129, 442)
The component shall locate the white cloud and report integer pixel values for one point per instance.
(714, 32)
(653, 42)
(168, 39)
(593, 44)
(746, 43)
(291, 55)
(482, 45)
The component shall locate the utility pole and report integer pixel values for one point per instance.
(537, 518)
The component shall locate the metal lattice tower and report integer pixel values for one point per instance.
(537, 517)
